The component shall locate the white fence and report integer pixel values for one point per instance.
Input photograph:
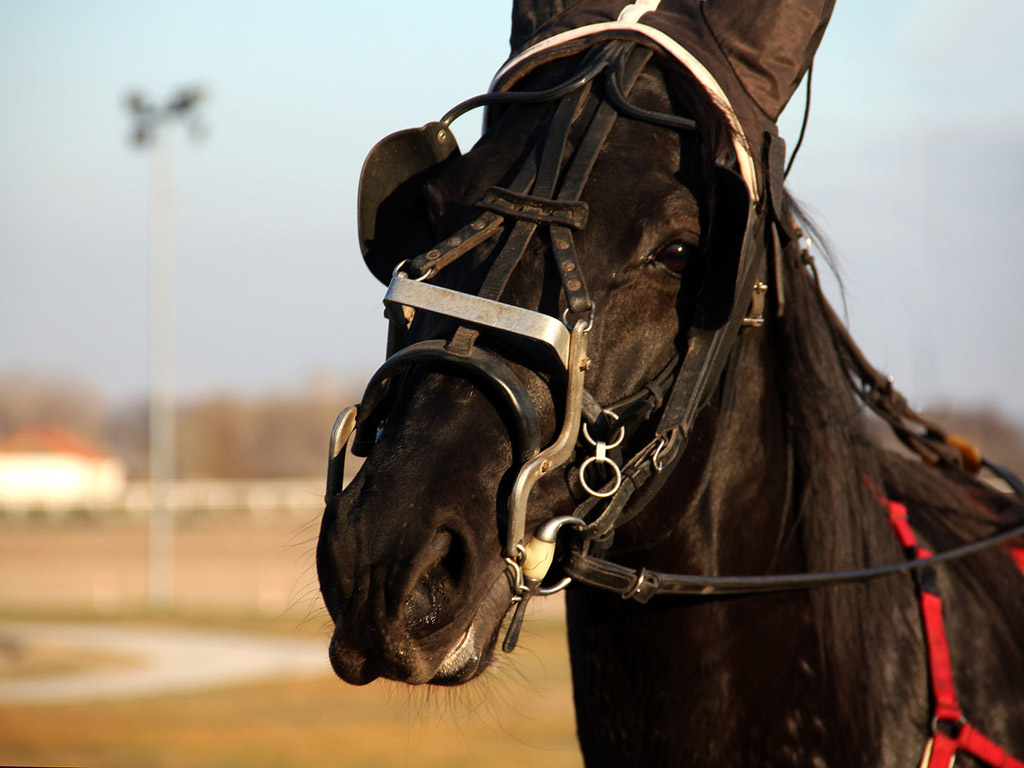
(261, 498)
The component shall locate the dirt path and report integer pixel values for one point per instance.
(156, 661)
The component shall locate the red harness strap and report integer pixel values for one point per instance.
(1018, 555)
(951, 733)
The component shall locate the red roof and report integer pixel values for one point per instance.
(48, 439)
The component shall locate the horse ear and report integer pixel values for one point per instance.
(769, 44)
(528, 16)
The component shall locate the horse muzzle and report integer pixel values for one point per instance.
(412, 609)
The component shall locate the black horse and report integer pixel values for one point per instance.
(618, 253)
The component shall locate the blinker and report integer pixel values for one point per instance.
(390, 190)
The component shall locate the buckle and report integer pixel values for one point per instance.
(948, 726)
(643, 588)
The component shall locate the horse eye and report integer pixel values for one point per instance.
(675, 256)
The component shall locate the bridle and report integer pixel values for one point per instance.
(544, 195)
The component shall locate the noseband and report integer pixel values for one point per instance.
(544, 195)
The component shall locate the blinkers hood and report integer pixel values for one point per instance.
(757, 51)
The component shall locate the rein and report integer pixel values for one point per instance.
(641, 585)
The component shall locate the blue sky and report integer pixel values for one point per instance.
(912, 166)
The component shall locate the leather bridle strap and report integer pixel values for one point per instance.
(572, 184)
(555, 201)
(516, 205)
(641, 585)
(708, 351)
(477, 232)
(562, 247)
(551, 150)
(635, 408)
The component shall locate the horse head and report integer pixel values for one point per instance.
(562, 301)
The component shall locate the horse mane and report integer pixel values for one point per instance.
(842, 478)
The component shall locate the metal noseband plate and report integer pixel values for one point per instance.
(473, 309)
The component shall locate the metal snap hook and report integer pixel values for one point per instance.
(515, 573)
(656, 460)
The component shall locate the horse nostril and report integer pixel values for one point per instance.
(453, 561)
(434, 593)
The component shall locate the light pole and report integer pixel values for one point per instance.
(148, 132)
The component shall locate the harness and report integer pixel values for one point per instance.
(951, 732)
(473, 333)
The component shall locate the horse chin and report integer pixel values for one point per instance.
(464, 660)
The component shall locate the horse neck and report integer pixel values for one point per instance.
(722, 669)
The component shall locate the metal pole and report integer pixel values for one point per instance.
(149, 131)
(161, 373)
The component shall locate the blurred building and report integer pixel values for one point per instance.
(51, 472)
(49, 469)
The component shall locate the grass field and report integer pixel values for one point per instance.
(520, 712)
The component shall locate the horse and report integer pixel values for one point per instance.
(611, 370)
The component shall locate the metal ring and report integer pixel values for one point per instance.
(956, 725)
(614, 444)
(583, 477)
(590, 319)
(397, 272)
